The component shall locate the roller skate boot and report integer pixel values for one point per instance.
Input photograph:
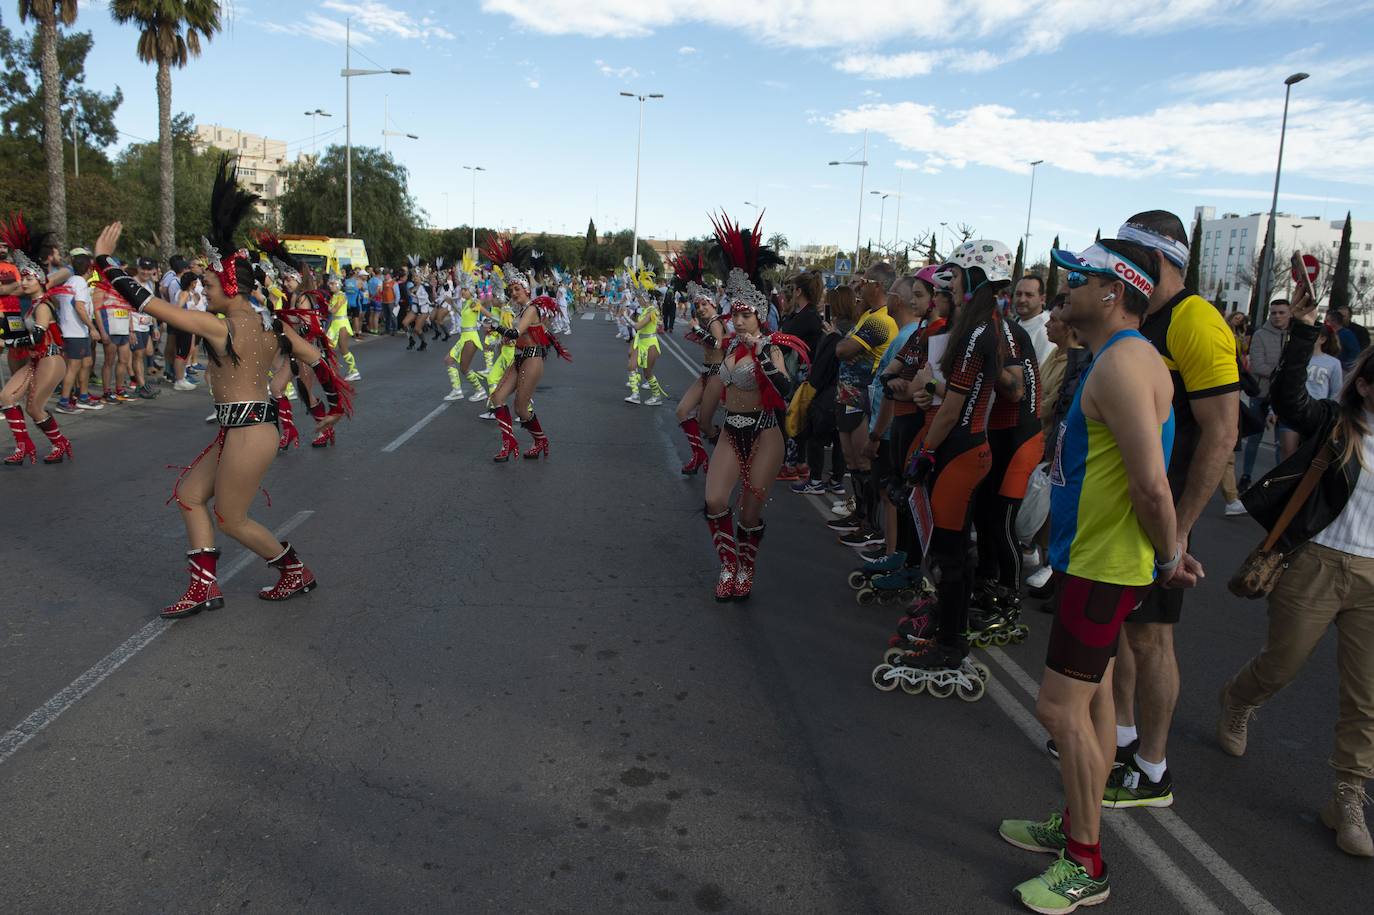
(203, 592)
(295, 577)
(863, 576)
(996, 619)
(900, 585)
(939, 670)
(914, 629)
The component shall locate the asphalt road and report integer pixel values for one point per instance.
(512, 692)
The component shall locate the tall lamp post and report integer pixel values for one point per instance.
(863, 171)
(750, 203)
(474, 169)
(348, 73)
(1261, 308)
(639, 145)
(1030, 203)
(1295, 226)
(882, 213)
(314, 121)
(386, 119)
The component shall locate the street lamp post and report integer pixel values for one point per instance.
(639, 144)
(897, 223)
(1295, 226)
(348, 73)
(1267, 261)
(314, 120)
(1030, 203)
(386, 119)
(882, 213)
(755, 206)
(863, 171)
(474, 169)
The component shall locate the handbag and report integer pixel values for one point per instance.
(1261, 570)
(797, 410)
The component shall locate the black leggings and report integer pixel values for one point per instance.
(999, 552)
(949, 556)
(815, 457)
(905, 428)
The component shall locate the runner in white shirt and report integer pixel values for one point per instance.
(141, 331)
(76, 318)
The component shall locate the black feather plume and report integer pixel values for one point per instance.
(229, 204)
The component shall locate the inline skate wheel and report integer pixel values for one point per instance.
(913, 686)
(1001, 639)
(982, 670)
(971, 693)
(887, 597)
(941, 690)
(857, 579)
(866, 596)
(906, 595)
(892, 656)
(981, 641)
(1018, 635)
(881, 680)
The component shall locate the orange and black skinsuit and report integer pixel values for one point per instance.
(962, 461)
(1014, 437)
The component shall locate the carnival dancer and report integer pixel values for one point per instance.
(756, 390)
(460, 356)
(645, 350)
(339, 330)
(707, 329)
(36, 347)
(241, 342)
(532, 341)
(445, 297)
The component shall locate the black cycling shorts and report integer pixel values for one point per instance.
(1087, 624)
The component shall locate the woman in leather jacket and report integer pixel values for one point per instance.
(1329, 572)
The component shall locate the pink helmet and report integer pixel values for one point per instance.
(927, 275)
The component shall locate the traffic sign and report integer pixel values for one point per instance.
(843, 265)
(1310, 264)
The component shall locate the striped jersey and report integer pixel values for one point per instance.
(1094, 531)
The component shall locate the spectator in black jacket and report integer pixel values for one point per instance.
(1329, 577)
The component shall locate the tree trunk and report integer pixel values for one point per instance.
(52, 132)
(167, 241)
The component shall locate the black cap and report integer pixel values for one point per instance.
(179, 263)
(147, 263)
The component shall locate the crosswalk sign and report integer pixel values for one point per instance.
(843, 266)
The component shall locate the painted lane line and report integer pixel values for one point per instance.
(1243, 890)
(589, 316)
(410, 433)
(50, 711)
(681, 356)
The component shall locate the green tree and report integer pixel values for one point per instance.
(170, 33)
(1340, 277)
(1191, 278)
(1098, 236)
(383, 210)
(1020, 265)
(49, 14)
(932, 255)
(589, 245)
(777, 241)
(1219, 300)
(1052, 276)
(21, 108)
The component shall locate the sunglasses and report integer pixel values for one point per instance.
(1076, 279)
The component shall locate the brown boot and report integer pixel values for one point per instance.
(1345, 814)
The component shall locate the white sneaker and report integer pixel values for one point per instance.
(843, 507)
(1235, 508)
(653, 401)
(487, 415)
(354, 376)
(1040, 577)
(1030, 559)
(455, 394)
(183, 385)
(89, 405)
(477, 395)
(633, 398)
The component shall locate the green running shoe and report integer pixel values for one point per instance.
(1047, 837)
(1063, 888)
(1127, 786)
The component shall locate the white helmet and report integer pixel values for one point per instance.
(992, 258)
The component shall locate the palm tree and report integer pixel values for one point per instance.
(49, 14)
(170, 33)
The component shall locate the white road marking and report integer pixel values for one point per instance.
(676, 350)
(410, 433)
(1189, 894)
(50, 711)
(589, 316)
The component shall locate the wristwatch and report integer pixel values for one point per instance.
(931, 387)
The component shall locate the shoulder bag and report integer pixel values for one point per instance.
(1261, 570)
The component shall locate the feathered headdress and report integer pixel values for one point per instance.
(25, 246)
(510, 257)
(741, 258)
(229, 203)
(286, 264)
(689, 275)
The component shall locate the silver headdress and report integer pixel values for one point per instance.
(740, 292)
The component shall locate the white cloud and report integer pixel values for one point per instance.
(381, 19)
(686, 49)
(532, 83)
(1327, 138)
(616, 72)
(322, 28)
(1268, 78)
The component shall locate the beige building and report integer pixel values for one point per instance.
(262, 162)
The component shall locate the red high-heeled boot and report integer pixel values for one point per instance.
(722, 528)
(295, 577)
(699, 459)
(541, 441)
(324, 439)
(289, 433)
(23, 445)
(749, 538)
(510, 447)
(203, 593)
(61, 445)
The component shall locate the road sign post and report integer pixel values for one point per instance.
(843, 265)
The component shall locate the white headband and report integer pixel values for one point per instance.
(1176, 251)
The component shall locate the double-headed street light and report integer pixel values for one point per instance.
(348, 73)
(1265, 278)
(634, 249)
(1030, 203)
(863, 170)
(882, 213)
(314, 120)
(386, 119)
(474, 169)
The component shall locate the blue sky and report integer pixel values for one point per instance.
(1164, 103)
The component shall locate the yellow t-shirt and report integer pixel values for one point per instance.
(874, 332)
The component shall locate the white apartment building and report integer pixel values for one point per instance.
(1232, 244)
(261, 162)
